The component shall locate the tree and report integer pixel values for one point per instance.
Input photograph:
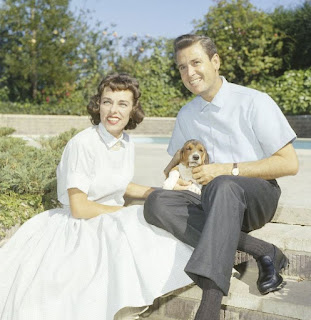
(296, 24)
(151, 62)
(38, 47)
(248, 43)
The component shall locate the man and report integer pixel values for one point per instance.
(249, 142)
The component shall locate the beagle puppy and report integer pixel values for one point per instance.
(192, 154)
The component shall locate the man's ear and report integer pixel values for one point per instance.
(216, 61)
(173, 163)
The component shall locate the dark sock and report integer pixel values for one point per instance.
(210, 305)
(254, 246)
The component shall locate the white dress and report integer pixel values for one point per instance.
(57, 267)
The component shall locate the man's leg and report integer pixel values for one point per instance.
(229, 204)
(178, 212)
(252, 202)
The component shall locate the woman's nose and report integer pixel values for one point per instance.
(114, 107)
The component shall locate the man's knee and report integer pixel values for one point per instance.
(223, 184)
(153, 208)
(223, 190)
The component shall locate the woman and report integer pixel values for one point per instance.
(93, 256)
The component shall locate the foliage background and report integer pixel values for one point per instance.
(52, 61)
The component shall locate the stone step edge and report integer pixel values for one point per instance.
(292, 215)
(238, 304)
(226, 313)
(286, 237)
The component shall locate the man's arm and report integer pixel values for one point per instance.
(282, 163)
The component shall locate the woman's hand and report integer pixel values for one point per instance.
(82, 208)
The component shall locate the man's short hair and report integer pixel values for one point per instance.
(188, 40)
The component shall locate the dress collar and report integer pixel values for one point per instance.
(111, 141)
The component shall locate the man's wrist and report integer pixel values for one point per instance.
(235, 169)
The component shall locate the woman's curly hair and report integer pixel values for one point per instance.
(118, 82)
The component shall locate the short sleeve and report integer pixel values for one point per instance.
(270, 125)
(177, 140)
(75, 169)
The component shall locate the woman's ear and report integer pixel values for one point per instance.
(173, 163)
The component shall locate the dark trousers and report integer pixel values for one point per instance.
(211, 223)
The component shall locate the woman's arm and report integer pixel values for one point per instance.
(137, 191)
(82, 208)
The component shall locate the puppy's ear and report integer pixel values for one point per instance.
(206, 159)
(173, 163)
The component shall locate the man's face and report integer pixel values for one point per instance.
(198, 73)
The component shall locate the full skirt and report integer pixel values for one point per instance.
(56, 267)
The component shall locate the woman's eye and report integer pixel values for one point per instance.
(106, 102)
(123, 105)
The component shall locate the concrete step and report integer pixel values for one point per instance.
(293, 240)
(286, 237)
(244, 301)
(293, 215)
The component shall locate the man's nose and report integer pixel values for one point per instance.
(190, 70)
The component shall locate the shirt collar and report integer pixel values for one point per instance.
(109, 139)
(220, 97)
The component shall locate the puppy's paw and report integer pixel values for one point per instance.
(167, 185)
(171, 181)
(194, 189)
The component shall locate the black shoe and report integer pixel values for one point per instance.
(269, 278)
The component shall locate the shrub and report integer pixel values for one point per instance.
(16, 209)
(5, 131)
(290, 91)
(28, 177)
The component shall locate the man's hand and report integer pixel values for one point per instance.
(182, 184)
(207, 172)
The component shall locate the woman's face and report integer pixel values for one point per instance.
(115, 110)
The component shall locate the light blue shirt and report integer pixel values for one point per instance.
(240, 124)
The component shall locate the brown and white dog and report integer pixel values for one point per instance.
(191, 155)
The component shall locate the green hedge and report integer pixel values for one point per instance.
(27, 177)
(291, 91)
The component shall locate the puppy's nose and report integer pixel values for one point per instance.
(196, 157)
